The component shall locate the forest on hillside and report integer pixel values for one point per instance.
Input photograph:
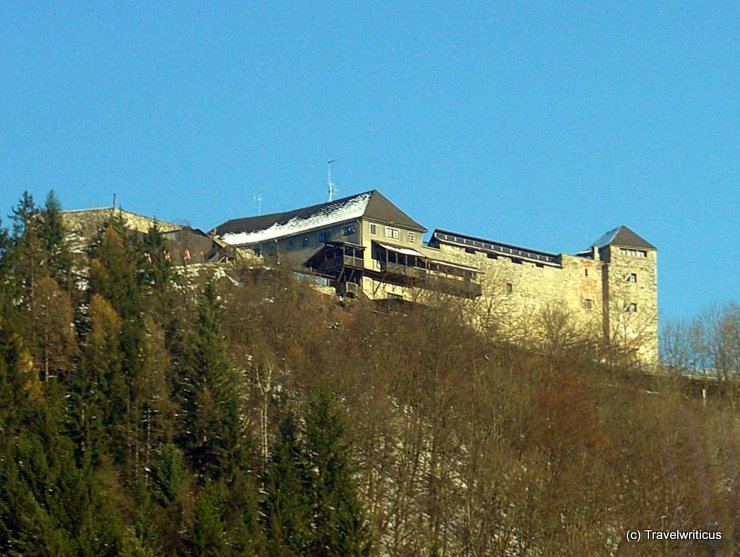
(149, 410)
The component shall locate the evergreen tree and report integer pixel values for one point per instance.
(50, 329)
(286, 506)
(113, 276)
(99, 397)
(208, 533)
(170, 483)
(53, 236)
(210, 388)
(113, 271)
(156, 264)
(338, 518)
(24, 258)
(48, 505)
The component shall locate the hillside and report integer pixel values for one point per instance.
(240, 412)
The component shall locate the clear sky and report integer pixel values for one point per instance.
(542, 124)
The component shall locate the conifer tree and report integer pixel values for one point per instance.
(211, 392)
(156, 265)
(48, 505)
(208, 532)
(50, 329)
(98, 392)
(53, 235)
(286, 506)
(113, 276)
(113, 271)
(338, 518)
(24, 257)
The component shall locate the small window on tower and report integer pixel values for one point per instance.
(411, 237)
(631, 277)
(585, 272)
(630, 308)
(509, 288)
(588, 303)
(373, 229)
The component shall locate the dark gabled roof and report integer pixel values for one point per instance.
(625, 237)
(370, 204)
(381, 209)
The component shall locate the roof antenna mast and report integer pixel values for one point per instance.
(332, 188)
(258, 200)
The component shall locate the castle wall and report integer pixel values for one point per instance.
(515, 294)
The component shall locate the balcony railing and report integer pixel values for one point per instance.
(415, 276)
(338, 261)
(403, 270)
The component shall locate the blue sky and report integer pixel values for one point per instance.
(536, 123)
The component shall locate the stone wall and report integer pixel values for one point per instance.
(86, 222)
(631, 299)
(516, 294)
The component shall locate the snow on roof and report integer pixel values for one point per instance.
(606, 239)
(623, 236)
(402, 250)
(334, 213)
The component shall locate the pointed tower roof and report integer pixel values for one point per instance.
(625, 237)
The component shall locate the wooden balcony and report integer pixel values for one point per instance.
(413, 273)
(337, 261)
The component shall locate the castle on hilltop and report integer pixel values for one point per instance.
(365, 246)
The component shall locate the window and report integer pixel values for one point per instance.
(509, 288)
(588, 303)
(630, 308)
(348, 230)
(585, 272)
(393, 233)
(257, 252)
(324, 235)
(290, 244)
(411, 237)
(304, 241)
(373, 229)
(631, 277)
(633, 252)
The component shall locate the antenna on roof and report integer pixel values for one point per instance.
(332, 188)
(258, 200)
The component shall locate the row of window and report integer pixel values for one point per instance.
(324, 236)
(633, 252)
(588, 303)
(393, 233)
(349, 230)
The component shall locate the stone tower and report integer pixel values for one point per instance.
(630, 292)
